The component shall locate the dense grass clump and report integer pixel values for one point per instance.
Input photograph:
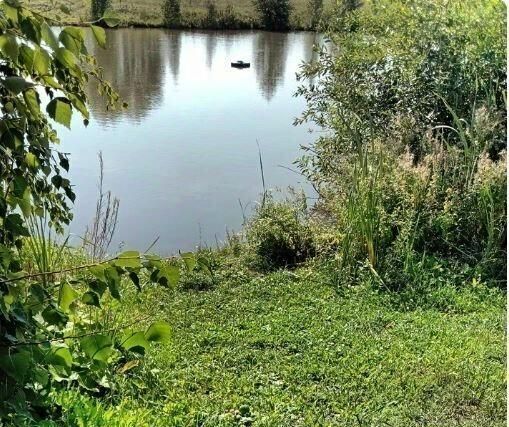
(278, 236)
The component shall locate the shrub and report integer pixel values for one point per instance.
(274, 14)
(315, 9)
(278, 235)
(211, 19)
(171, 13)
(413, 165)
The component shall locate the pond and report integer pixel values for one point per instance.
(184, 155)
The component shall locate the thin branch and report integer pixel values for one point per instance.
(70, 269)
(72, 337)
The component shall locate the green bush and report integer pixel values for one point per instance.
(278, 235)
(275, 14)
(171, 13)
(414, 163)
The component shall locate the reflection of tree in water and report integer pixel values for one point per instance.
(134, 64)
(210, 46)
(270, 52)
(174, 49)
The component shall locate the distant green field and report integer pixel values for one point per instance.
(148, 12)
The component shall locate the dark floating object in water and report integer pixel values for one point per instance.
(241, 64)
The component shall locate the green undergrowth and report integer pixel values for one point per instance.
(292, 348)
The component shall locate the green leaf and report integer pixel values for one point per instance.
(60, 110)
(98, 271)
(59, 356)
(66, 58)
(41, 62)
(54, 316)
(110, 18)
(9, 46)
(97, 347)
(91, 298)
(135, 341)
(31, 98)
(98, 286)
(129, 259)
(16, 365)
(113, 280)
(135, 279)
(100, 35)
(158, 331)
(51, 82)
(171, 273)
(48, 35)
(73, 39)
(14, 224)
(66, 296)
(31, 160)
(11, 12)
(189, 260)
(16, 84)
(79, 105)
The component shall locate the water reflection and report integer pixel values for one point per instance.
(173, 46)
(210, 45)
(134, 64)
(185, 151)
(136, 61)
(270, 50)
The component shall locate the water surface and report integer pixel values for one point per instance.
(185, 151)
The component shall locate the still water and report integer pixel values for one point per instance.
(185, 152)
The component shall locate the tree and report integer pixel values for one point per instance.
(275, 14)
(211, 19)
(171, 13)
(315, 8)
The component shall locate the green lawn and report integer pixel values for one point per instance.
(288, 349)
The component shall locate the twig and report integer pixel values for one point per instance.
(77, 268)
(72, 337)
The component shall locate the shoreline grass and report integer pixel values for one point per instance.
(148, 14)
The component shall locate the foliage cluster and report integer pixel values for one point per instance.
(171, 13)
(53, 332)
(274, 14)
(412, 170)
(278, 235)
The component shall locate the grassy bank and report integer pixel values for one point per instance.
(240, 14)
(291, 349)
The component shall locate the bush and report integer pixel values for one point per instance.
(275, 14)
(171, 13)
(413, 94)
(278, 235)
